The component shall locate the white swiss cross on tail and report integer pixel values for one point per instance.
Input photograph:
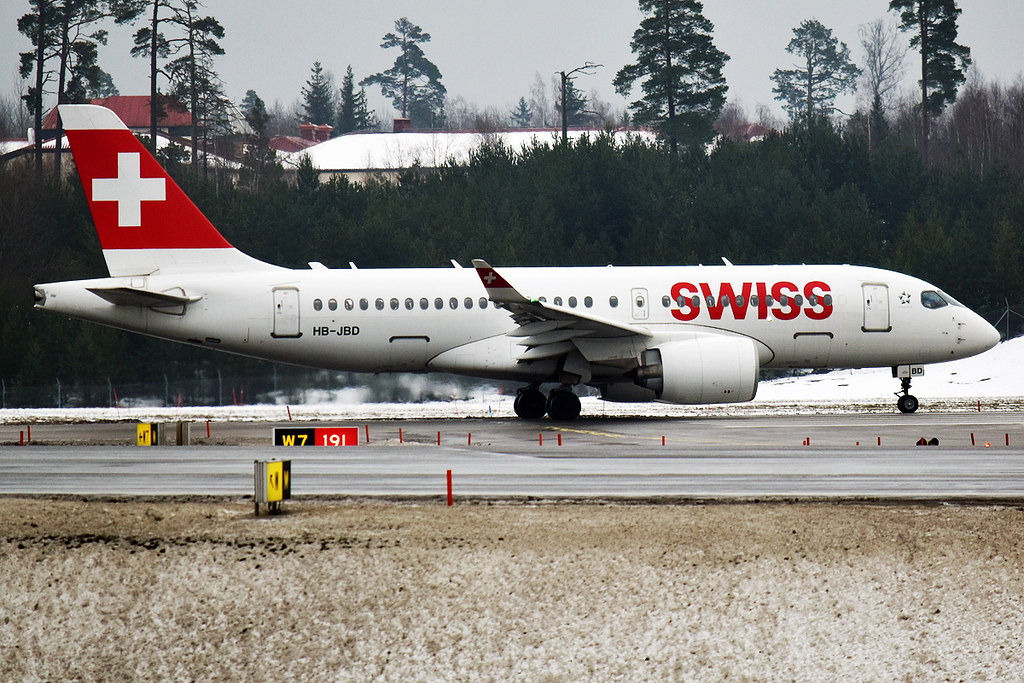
(129, 189)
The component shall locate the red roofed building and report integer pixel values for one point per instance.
(134, 111)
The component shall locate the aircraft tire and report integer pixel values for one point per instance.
(530, 404)
(563, 405)
(907, 404)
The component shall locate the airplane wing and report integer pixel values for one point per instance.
(546, 330)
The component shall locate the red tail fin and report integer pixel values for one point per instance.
(144, 220)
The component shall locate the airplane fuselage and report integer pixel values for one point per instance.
(417, 320)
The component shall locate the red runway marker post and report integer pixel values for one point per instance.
(450, 500)
(559, 439)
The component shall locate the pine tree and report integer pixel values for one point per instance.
(40, 26)
(825, 71)
(347, 103)
(413, 83)
(352, 111)
(521, 116)
(151, 43)
(318, 97)
(932, 24)
(259, 163)
(365, 119)
(192, 75)
(683, 87)
(575, 104)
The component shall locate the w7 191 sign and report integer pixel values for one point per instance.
(316, 436)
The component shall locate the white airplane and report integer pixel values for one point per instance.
(677, 334)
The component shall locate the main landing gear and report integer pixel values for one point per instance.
(561, 404)
(906, 402)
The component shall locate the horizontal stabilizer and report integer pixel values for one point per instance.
(128, 296)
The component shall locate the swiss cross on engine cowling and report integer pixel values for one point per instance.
(129, 189)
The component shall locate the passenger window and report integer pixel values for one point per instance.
(769, 301)
(812, 300)
(483, 303)
(932, 300)
(424, 304)
(349, 304)
(828, 300)
(754, 300)
(572, 302)
(394, 304)
(317, 304)
(453, 303)
(468, 303)
(379, 303)
(332, 304)
(363, 304)
(558, 301)
(438, 303)
(799, 299)
(409, 303)
(613, 301)
(588, 302)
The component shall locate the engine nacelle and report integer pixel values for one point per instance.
(712, 369)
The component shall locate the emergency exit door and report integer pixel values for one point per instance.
(640, 303)
(286, 313)
(876, 308)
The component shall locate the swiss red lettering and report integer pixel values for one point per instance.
(787, 295)
(815, 291)
(784, 293)
(684, 291)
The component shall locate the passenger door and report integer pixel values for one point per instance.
(876, 308)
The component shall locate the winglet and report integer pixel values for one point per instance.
(498, 288)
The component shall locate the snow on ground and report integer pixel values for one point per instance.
(994, 378)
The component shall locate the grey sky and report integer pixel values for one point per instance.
(490, 52)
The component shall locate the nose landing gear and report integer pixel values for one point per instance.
(906, 402)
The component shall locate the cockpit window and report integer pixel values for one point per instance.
(950, 300)
(931, 299)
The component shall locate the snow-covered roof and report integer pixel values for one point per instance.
(393, 151)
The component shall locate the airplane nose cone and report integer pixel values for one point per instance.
(989, 336)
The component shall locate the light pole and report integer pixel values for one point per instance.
(587, 68)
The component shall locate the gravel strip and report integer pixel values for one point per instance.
(360, 590)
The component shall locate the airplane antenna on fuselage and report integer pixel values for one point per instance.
(726, 261)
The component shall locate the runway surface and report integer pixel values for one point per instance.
(739, 457)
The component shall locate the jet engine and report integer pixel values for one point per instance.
(710, 369)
